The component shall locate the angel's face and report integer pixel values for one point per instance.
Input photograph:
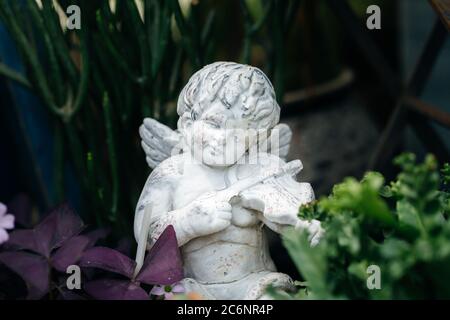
(218, 137)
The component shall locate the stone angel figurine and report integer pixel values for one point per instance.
(220, 180)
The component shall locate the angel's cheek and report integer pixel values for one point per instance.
(194, 137)
(234, 148)
(198, 138)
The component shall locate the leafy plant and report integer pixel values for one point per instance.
(162, 266)
(402, 228)
(41, 256)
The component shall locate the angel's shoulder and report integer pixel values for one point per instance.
(167, 171)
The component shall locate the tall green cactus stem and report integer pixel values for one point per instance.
(110, 141)
(251, 28)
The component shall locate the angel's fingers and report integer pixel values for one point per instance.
(316, 237)
(251, 200)
(311, 235)
(224, 215)
(301, 225)
(312, 227)
(287, 218)
(223, 206)
(315, 240)
(222, 223)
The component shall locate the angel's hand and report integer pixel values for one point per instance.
(314, 229)
(158, 141)
(205, 216)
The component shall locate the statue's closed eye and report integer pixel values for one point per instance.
(194, 115)
(212, 122)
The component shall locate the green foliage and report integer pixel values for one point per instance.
(403, 228)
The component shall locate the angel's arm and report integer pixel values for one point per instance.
(278, 202)
(158, 193)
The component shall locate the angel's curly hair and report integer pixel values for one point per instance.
(234, 85)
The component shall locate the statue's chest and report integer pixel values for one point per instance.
(197, 182)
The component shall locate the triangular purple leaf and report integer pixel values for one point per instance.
(68, 224)
(163, 264)
(107, 289)
(26, 239)
(44, 233)
(108, 259)
(60, 225)
(69, 253)
(67, 294)
(33, 269)
(96, 235)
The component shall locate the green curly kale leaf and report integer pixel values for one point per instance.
(401, 229)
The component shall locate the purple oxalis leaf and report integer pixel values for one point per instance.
(51, 233)
(108, 259)
(108, 289)
(163, 264)
(69, 253)
(33, 269)
(68, 224)
(27, 239)
(96, 235)
(67, 294)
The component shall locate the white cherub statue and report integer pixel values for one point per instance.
(219, 180)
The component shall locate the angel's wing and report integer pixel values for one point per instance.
(158, 141)
(279, 140)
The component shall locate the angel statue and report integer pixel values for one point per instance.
(220, 180)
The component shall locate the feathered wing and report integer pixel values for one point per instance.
(158, 141)
(283, 134)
